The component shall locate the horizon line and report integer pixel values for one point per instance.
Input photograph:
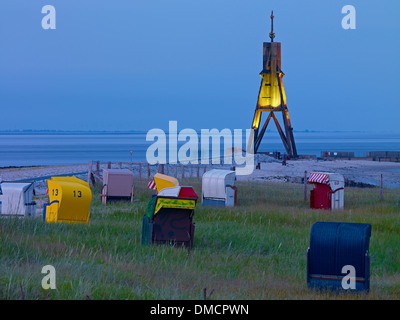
(198, 130)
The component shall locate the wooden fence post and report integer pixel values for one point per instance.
(109, 165)
(98, 167)
(305, 185)
(183, 172)
(140, 171)
(148, 170)
(90, 170)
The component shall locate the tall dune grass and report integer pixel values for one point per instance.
(256, 250)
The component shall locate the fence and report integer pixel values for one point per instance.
(142, 170)
(286, 191)
(295, 187)
(393, 156)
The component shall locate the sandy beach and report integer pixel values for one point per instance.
(357, 171)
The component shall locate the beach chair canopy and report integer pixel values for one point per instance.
(118, 182)
(319, 177)
(16, 199)
(162, 181)
(214, 183)
(180, 191)
(334, 180)
(70, 179)
(69, 200)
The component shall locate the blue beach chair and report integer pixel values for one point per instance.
(334, 245)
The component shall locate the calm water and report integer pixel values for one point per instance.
(72, 148)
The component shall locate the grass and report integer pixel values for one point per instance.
(256, 250)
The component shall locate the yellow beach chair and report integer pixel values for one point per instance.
(69, 200)
(163, 181)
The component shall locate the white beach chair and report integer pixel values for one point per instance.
(16, 199)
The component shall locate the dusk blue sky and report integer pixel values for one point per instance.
(135, 65)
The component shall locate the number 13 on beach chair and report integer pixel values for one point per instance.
(69, 200)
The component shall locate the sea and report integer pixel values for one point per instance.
(60, 148)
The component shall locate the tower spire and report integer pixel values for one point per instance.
(272, 33)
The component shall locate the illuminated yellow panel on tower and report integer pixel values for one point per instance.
(270, 95)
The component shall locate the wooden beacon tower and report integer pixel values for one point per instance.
(272, 98)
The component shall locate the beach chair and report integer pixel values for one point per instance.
(333, 247)
(69, 200)
(16, 199)
(218, 188)
(117, 185)
(328, 191)
(169, 217)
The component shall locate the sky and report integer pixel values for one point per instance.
(136, 65)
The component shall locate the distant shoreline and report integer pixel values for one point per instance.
(44, 131)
